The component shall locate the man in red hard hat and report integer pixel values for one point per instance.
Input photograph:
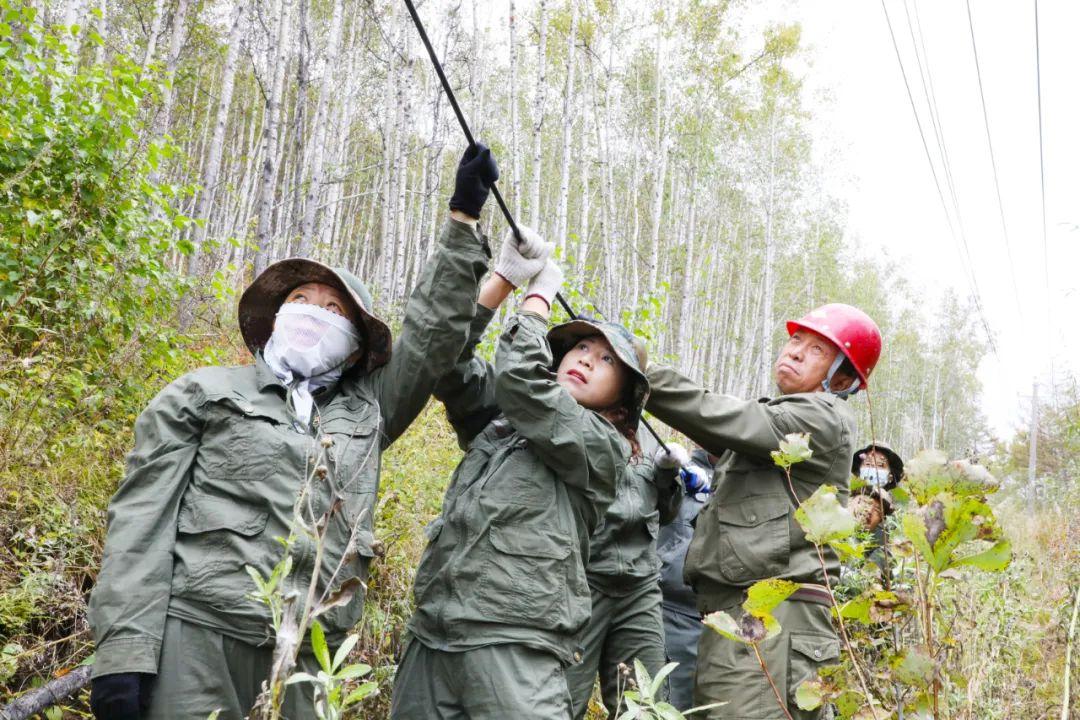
(747, 531)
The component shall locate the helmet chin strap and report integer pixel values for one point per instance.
(827, 382)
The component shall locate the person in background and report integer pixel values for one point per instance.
(879, 469)
(222, 454)
(548, 429)
(627, 621)
(682, 621)
(747, 531)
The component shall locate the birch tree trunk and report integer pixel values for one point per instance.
(315, 179)
(567, 131)
(217, 141)
(539, 96)
(515, 147)
(264, 231)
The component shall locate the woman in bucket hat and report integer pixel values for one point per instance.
(501, 591)
(222, 455)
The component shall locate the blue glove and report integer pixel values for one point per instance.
(695, 480)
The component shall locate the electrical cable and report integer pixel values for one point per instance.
(494, 190)
(937, 184)
(993, 161)
(1042, 187)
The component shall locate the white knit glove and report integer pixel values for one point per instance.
(676, 456)
(519, 261)
(546, 283)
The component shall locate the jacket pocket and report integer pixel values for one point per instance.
(354, 455)
(524, 578)
(809, 653)
(216, 539)
(753, 538)
(241, 442)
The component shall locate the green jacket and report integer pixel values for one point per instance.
(505, 561)
(622, 551)
(219, 462)
(747, 531)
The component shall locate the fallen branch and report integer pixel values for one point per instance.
(33, 702)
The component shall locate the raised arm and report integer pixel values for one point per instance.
(436, 325)
(468, 390)
(584, 449)
(128, 604)
(720, 422)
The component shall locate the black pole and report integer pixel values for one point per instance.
(494, 190)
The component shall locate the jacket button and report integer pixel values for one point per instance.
(752, 518)
(577, 657)
(817, 654)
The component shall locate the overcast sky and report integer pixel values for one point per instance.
(867, 132)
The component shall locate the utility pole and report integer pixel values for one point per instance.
(1033, 444)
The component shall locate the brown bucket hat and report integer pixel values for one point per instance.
(262, 298)
(627, 346)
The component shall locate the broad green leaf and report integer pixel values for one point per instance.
(724, 624)
(912, 667)
(823, 518)
(995, 558)
(661, 675)
(794, 448)
(644, 679)
(363, 691)
(344, 650)
(351, 672)
(301, 677)
(809, 695)
(764, 595)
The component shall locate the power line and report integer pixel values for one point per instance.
(1042, 188)
(993, 161)
(937, 184)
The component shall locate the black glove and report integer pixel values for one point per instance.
(476, 172)
(124, 696)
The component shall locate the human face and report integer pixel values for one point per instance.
(592, 373)
(876, 460)
(804, 362)
(326, 297)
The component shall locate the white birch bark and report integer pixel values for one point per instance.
(539, 97)
(267, 186)
(217, 141)
(326, 87)
(567, 131)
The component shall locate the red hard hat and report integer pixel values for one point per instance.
(850, 329)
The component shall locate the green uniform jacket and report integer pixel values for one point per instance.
(622, 552)
(747, 531)
(505, 561)
(219, 462)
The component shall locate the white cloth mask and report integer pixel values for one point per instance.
(308, 350)
(874, 477)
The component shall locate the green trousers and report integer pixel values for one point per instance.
(622, 628)
(728, 671)
(495, 682)
(201, 670)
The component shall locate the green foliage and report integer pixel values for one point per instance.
(823, 518)
(85, 231)
(335, 688)
(644, 701)
(757, 624)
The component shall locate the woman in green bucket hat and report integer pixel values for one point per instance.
(223, 454)
(501, 592)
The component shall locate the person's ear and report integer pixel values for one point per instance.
(841, 382)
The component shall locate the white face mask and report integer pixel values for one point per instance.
(874, 477)
(308, 350)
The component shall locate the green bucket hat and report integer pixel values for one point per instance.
(262, 299)
(896, 463)
(629, 349)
